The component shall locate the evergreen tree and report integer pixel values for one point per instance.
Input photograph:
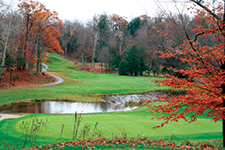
(123, 68)
(9, 62)
(116, 59)
(133, 59)
(20, 62)
(134, 25)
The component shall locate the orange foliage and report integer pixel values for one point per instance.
(42, 26)
(119, 21)
(205, 82)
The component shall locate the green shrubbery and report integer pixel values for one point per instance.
(133, 63)
(123, 68)
(15, 77)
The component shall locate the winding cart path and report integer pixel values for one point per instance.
(59, 80)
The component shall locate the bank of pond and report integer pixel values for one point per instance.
(107, 104)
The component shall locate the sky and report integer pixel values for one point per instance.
(84, 10)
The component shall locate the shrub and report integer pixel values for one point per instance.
(15, 77)
(133, 64)
(123, 68)
(50, 61)
(20, 61)
(9, 62)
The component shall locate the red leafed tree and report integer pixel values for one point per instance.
(204, 76)
(41, 30)
(28, 8)
(47, 26)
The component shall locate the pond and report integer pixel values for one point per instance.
(108, 104)
(63, 107)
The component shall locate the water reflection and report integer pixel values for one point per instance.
(63, 107)
(109, 104)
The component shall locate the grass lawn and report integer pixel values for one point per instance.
(133, 123)
(81, 83)
(80, 86)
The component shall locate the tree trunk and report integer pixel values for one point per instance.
(65, 50)
(1, 72)
(105, 68)
(120, 48)
(11, 76)
(223, 92)
(31, 58)
(101, 67)
(82, 60)
(5, 48)
(30, 67)
(93, 52)
(40, 67)
(26, 39)
(38, 55)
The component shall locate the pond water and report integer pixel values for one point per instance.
(63, 107)
(108, 104)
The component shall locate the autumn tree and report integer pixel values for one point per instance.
(205, 82)
(104, 28)
(41, 31)
(66, 34)
(9, 28)
(120, 33)
(71, 40)
(5, 38)
(84, 41)
(47, 26)
(151, 38)
(94, 35)
(27, 8)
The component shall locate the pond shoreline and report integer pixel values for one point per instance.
(97, 96)
(106, 103)
(63, 107)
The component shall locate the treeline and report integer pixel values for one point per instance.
(26, 34)
(130, 48)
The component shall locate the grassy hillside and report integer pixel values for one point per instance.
(80, 83)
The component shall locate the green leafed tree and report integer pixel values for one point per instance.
(9, 62)
(123, 68)
(134, 25)
(133, 59)
(20, 62)
(133, 63)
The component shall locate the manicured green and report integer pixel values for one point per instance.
(94, 83)
(133, 123)
(57, 63)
